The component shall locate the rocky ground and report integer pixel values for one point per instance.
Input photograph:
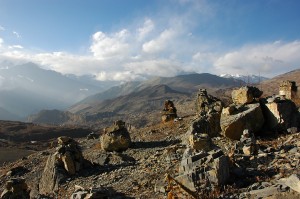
(139, 172)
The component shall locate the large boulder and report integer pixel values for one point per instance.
(66, 160)
(245, 95)
(281, 114)
(196, 169)
(116, 137)
(247, 117)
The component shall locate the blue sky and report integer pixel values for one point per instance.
(133, 39)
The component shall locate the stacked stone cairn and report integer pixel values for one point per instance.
(15, 188)
(281, 111)
(67, 160)
(203, 165)
(247, 144)
(115, 137)
(169, 113)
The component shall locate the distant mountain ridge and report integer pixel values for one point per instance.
(249, 79)
(188, 83)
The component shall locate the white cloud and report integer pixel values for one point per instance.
(269, 59)
(148, 26)
(160, 43)
(2, 28)
(1, 41)
(15, 47)
(155, 67)
(16, 34)
(106, 47)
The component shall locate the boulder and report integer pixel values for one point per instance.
(15, 188)
(52, 176)
(281, 115)
(245, 95)
(66, 160)
(248, 117)
(116, 137)
(196, 169)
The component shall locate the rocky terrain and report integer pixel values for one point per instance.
(248, 148)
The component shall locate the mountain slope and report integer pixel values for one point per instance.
(271, 86)
(188, 83)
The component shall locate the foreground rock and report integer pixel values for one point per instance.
(248, 117)
(67, 160)
(200, 169)
(115, 137)
(15, 188)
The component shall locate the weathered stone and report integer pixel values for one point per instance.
(92, 193)
(281, 115)
(67, 160)
(288, 89)
(63, 140)
(15, 188)
(229, 110)
(200, 142)
(250, 118)
(197, 169)
(206, 103)
(245, 95)
(52, 176)
(169, 113)
(115, 138)
(69, 163)
(293, 182)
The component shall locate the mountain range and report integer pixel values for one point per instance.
(249, 79)
(27, 88)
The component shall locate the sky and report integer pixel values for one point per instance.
(128, 40)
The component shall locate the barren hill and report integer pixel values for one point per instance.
(271, 86)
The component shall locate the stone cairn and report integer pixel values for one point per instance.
(15, 188)
(115, 137)
(203, 165)
(169, 113)
(67, 160)
(247, 144)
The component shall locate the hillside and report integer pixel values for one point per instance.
(271, 86)
(139, 91)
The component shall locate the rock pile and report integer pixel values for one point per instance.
(247, 144)
(115, 137)
(67, 160)
(169, 112)
(15, 188)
